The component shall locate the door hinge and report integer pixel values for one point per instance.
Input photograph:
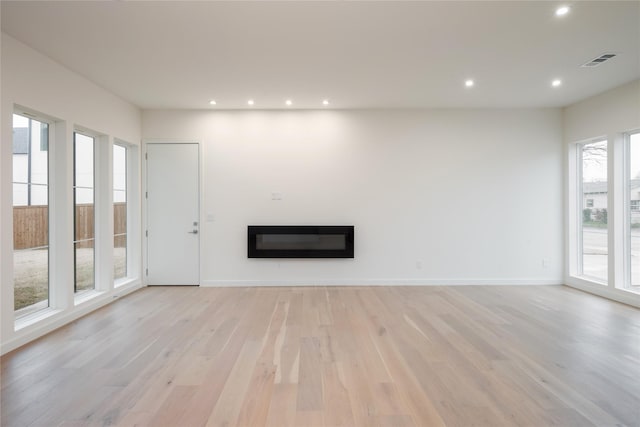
(147, 271)
(146, 233)
(146, 156)
(146, 194)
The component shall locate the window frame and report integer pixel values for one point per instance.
(94, 137)
(64, 305)
(627, 284)
(127, 147)
(579, 211)
(35, 311)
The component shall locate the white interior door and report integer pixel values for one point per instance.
(173, 214)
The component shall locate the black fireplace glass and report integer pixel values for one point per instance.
(279, 241)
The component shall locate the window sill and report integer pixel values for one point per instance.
(36, 317)
(124, 282)
(84, 296)
(617, 294)
(592, 280)
(631, 289)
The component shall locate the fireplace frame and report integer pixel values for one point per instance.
(346, 230)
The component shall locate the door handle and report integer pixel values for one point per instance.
(193, 232)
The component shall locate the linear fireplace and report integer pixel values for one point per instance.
(300, 241)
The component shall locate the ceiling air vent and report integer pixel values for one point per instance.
(599, 60)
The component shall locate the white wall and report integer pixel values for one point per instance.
(607, 115)
(32, 80)
(611, 112)
(436, 196)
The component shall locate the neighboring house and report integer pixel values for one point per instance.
(20, 166)
(30, 169)
(635, 201)
(594, 197)
(20, 140)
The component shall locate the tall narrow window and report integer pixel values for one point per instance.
(594, 248)
(119, 211)
(30, 214)
(84, 215)
(633, 197)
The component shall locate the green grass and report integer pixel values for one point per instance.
(597, 224)
(594, 224)
(31, 281)
(29, 295)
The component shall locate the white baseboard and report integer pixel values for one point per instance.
(380, 282)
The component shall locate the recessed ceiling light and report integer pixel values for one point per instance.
(250, 102)
(556, 83)
(288, 102)
(469, 83)
(325, 102)
(212, 102)
(562, 10)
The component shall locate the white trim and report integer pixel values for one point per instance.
(381, 282)
(124, 281)
(34, 114)
(103, 214)
(616, 208)
(571, 219)
(202, 228)
(34, 317)
(626, 232)
(82, 297)
(134, 212)
(605, 291)
(59, 318)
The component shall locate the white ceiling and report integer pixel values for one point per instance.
(391, 54)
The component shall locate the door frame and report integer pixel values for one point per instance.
(145, 210)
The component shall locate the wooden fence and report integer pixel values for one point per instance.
(30, 225)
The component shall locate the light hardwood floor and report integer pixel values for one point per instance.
(335, 356)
